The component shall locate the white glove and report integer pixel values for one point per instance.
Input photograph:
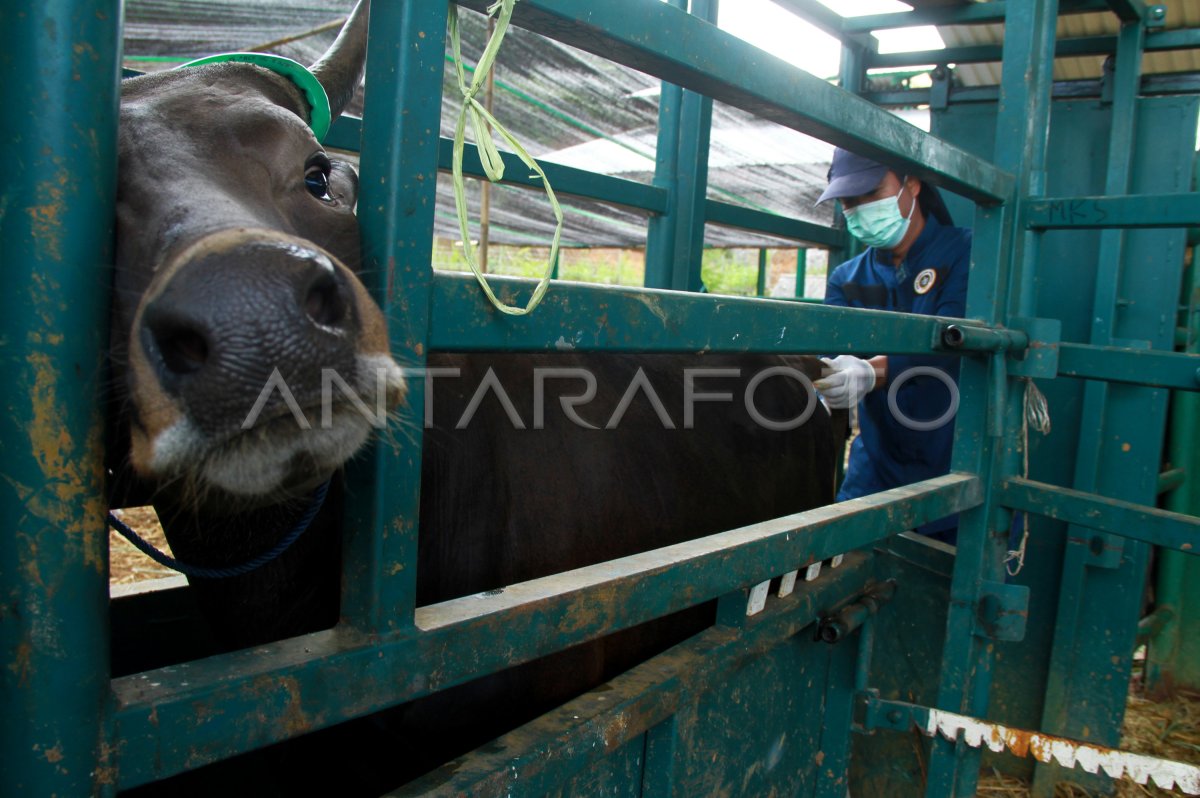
(847, 380)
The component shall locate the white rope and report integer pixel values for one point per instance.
(1037, 415)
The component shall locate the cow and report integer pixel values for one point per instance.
(236, 295)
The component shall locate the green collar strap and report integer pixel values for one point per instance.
(319, 115)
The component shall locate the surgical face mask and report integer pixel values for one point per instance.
(879, 224)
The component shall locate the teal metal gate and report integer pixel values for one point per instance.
(753, 705)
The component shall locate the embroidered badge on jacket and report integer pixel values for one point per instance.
(924, 281)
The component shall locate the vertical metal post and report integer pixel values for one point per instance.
(675, 262)
(1065, 667)
(851, 246)
(761, 287)
(846, 672)
(694, 133)
(851, 71)
(61, 68)
(1173, 654)
(667, 746)
(399, 163)
(866, 645)
(801, 271)
(660, 238)
(998, 250)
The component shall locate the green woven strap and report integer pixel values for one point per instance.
(489, 155)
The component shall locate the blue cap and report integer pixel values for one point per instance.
(852, 175)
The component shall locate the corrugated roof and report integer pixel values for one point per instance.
(1180, 14)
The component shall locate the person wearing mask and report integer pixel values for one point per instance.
(916, 261)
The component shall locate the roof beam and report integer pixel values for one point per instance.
(1128, 10)
(976, 14)
(1168, 83)
(1179, 39)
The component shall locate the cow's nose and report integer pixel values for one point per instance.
(228, 318)
(325, 298)
(182, 342)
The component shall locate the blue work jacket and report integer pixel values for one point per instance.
(932, 280)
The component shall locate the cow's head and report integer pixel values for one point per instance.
(237, 248)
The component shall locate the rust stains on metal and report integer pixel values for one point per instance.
(1067, 753)
(46, 213)
(106, 771)
(295, 720)
(20, 664)
(50, 439)
(616, 732)
(68, 498)
(72, 474)
(1017, 742)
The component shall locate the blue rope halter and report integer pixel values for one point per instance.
(203, 572)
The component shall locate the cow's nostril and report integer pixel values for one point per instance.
(323, 303)
(183, 351)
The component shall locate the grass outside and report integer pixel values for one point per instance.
(724, 271)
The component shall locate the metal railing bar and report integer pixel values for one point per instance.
(581, 317)
(1108, 212)
(1149, 367)
(546, 752)
(277, 691)
(1091, 511)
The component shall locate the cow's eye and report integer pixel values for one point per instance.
(316, 177)
(317, 183)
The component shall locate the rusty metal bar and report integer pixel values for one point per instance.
(541, 755)
(61, 76)
(270, 693)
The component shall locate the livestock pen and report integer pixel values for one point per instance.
(1080, 196)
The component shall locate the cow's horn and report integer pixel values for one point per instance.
(341, 67)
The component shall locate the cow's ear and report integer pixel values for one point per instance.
(340, 69)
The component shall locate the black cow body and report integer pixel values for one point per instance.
(501, 504)
(224, 276)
